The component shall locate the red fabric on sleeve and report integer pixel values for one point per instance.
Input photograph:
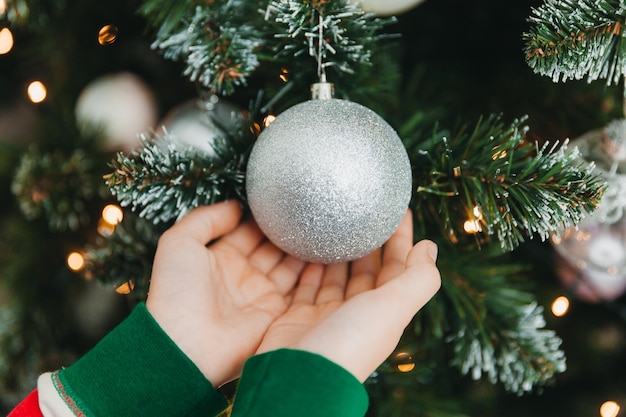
(29, 407)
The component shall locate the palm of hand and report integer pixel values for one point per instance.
(338, 309)
(249, 289)
(222, 303)
(294, 324)
(217, 302)
(321, 291)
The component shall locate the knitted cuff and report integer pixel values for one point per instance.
(287, 383)
(137, 370)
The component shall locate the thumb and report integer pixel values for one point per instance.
(206, 223)
(419, 282)
(376, 318)
(419, 252)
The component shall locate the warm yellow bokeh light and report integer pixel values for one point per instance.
(112, 214)
(37, 92)
(609, 409)
(404, 362)
(105, 228)
(126, 288)
(268, 120)
(6, 41)
(406, 367)
(560, 306)
(283, 75)
(499, 154)
(472, 226)
(3, 6)
(75, 261)
(107, 35)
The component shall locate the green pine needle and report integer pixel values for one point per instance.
(492, 321)
(32, 13)
(164, 183)
(55, 186)
(573, 39)
(338, 35)
(214, 39)
(507, 187)
(125, 256)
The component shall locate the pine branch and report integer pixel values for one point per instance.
(166, 15)
(573, 39)
(506, 186)
(496, 329)
(32, 13)
(56, 186)
(164, 183)
(337, 34)
(217, 44)
(126, 256)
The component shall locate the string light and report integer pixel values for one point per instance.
(498, 154)
(107, 34)
(283, 75)
(6, 41)
(112, 214)
(560, 306)
(75, 261)
(3, 7)
(37, 92)
(472, 226)
(105, 228)
(404, 362)
(268, 120)
(609, 409)
(126, 287)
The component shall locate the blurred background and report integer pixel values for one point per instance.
(460, 59)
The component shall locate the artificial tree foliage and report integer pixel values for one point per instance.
(486, 324)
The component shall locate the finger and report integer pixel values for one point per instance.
(396, 250)
(245, 238)
(265, 257)
(206, 223)
(285, 274)
(417, 284)
(363, 274)
(333, 284)
(376, 318)
(420, 253)
(309, 284)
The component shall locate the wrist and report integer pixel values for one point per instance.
(205, 353)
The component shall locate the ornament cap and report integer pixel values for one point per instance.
(323, 90)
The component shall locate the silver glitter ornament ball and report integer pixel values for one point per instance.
(328, 181)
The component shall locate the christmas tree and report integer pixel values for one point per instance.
(149, 108)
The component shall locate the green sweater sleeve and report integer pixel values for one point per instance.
(287, 383)
(137, 370)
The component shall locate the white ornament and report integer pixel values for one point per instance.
(593, 254)
(387, 7)
(121, 105)
(328, 181)
(196, 124)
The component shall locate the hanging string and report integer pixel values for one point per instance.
(321, 69)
